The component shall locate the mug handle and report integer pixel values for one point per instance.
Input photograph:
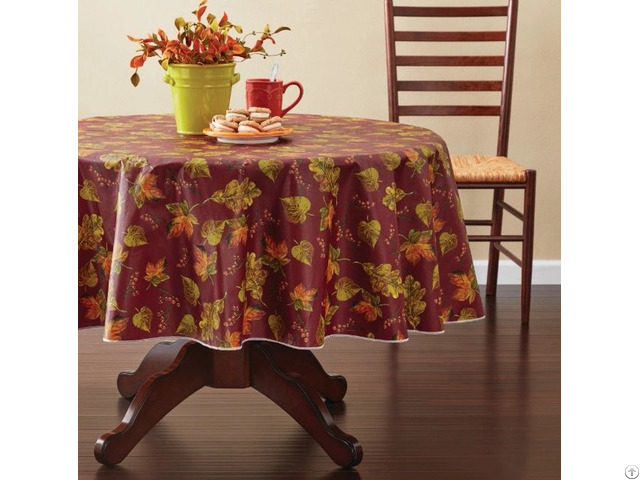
(297, 100)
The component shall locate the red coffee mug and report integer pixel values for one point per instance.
(262, 92)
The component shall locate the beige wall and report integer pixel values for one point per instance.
(336, 49)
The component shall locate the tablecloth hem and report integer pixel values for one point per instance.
(258, 339)
(468, 320)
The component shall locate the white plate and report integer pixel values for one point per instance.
(248, 141)
(248, 138)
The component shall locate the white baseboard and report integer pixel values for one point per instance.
(545, 272)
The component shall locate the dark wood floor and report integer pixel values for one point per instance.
(479, 402)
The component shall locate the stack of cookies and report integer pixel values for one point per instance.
(239, 120)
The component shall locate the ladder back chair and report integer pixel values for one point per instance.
(494, 172)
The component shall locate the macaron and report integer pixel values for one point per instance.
(219, 124)
(237, 115)
(249, 126)
(274, 123)
(259, 114)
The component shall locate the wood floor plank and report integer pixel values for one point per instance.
(481, 401)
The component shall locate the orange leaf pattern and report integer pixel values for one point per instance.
(182, 221)
(154, 272)
(417, 246)
(368, 307)
(145, 188)
(466, 285)
(302, 298)
(251, 314)
(239, 230)
(96, 306)
(350, 226)
(204, 263)
(275, 253)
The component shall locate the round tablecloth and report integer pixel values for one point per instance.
(346, 227)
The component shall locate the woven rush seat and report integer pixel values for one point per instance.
(486, 169)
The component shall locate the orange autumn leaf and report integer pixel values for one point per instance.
(154, 272)
(412, 155)
(415, 161)
(239, 230)
(103, 260)
(326, 216)
(333, 267)
(115, 327)
(205, 263)
(232, 340)
(438, 223)
(417, 246)
(328, 309)
(303, 298)
(368, 307)
(466, 286)
(144, 188)
(251, 314)
(275, 253)
(182, 221)
(445, 315)
(96, 306)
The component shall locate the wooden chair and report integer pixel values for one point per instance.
(498, 172)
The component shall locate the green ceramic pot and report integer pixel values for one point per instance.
(199, 92)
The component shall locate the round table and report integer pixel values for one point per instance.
(347, 226)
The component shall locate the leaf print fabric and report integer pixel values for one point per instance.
(349, 226)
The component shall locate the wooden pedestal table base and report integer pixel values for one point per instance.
(172, 371)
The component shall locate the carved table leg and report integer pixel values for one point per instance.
(305, 364)
(162, 392)
(298, 397)
(159, 357)
(171, 372)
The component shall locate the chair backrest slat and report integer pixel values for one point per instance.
(449, 86)
(450, 11)
(459, 34)
(448, 61)
(450, 36)
(449, 110)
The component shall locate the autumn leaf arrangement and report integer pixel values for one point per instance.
(206, 41)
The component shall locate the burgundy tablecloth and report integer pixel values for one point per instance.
(348, 226)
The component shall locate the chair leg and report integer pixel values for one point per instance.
(527, 244)
(494, 253)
